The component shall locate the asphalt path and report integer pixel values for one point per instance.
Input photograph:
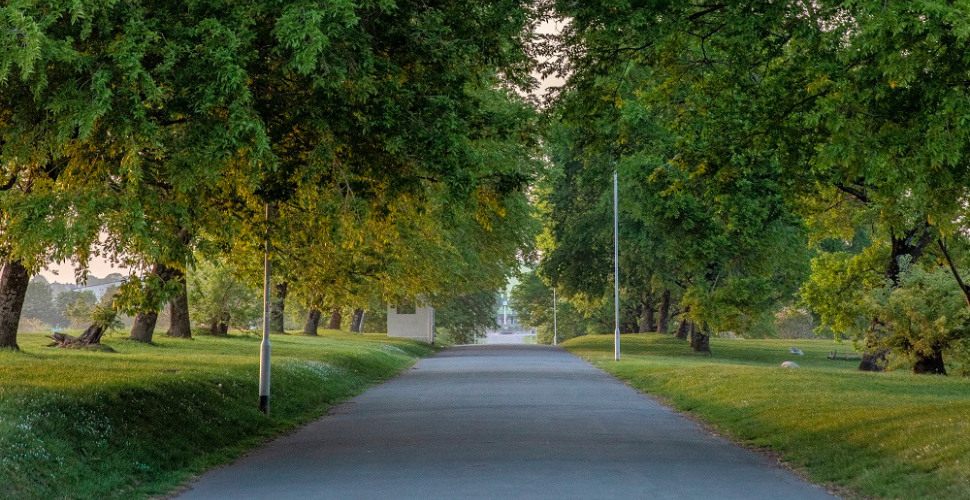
(501, 421)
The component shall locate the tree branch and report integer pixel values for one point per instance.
(953, 269)
(710, 10)
(10, 184)
(858, 194)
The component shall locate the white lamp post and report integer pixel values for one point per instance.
(264, 347)
(616, 269)
(555, 331)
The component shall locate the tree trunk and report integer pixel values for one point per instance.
(683, 329)
(312, 322)
(144, 327)
(646, 319)
(685, 325)
(663, 320)
(874, 361)
(181, 325)
(276, 317)
(700, 338)
(14, 280)
(91, 337)
(336, 316)
(931, 364)
(357, 321)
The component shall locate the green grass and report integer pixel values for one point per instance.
(143, 420)
(885, 435)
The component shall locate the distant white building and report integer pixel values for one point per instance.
(411, 321)
(98, 290)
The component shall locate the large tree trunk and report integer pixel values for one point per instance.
(92, 335)
(683, 329)
(14, 280)
(685, 325)
(700, 338)
(357, 321)
(663, 320)
(312, 322)
(144, 327)
(276, 317)
(336, 316)
(912, 243)
(181, 325)
(929, 364)
(647, 315)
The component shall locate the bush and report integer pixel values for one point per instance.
(32, 325)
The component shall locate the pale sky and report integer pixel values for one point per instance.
(65, 270)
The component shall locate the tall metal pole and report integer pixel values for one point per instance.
(616, 269)
(264, 347)
(555, 330)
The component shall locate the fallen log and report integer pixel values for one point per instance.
(90, 339)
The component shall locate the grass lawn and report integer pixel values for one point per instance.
(143, 420)
(882, 435)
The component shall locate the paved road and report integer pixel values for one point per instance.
(502, 422)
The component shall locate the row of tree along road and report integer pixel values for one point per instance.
(772, 156)
(380, 147)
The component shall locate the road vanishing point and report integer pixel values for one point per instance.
(502, 421)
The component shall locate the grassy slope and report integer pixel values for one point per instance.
(141, 421)
(890, 435)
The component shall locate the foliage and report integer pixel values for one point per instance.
(464, 318)
(106, 317)
(79, 307)
(740, 126)
(217, 296)
(532, 299)
(926, 312)
(171, 136)
(32, 325)
(39, 302)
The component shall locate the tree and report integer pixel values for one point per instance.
(79, 306)
(180, 319)
(101, 317)
(533, 300)
(312, 322)
(839, 105)
(39, 301)
(259, 104)
(218, 299)
(464, 318)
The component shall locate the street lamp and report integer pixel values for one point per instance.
(264, 347)
(616, 269)
(555, 331)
